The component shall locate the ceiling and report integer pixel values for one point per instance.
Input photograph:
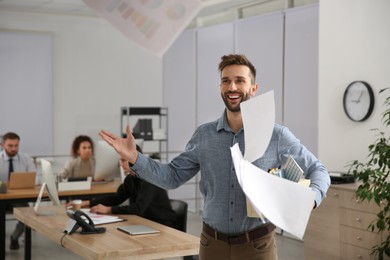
(78, 7)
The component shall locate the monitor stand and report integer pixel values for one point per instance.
(36, 207)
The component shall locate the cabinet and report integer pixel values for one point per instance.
(149, 127)
(338, 229)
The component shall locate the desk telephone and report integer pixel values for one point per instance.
(81, 219)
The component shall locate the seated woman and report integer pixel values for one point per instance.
(145, 200)
(82, 163)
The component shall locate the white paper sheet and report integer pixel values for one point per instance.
(152, 24)
(258, 118)
(285, 203)
(99, 219)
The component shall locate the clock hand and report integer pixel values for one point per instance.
(358, 99)
(361, 93)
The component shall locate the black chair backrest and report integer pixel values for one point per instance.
(180, 207)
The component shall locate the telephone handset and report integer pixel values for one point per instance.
(85, 222)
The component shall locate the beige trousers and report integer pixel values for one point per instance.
(263, 248)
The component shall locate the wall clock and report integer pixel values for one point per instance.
(358, 101)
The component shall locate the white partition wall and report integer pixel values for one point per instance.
(212, 43)
(261, 40)
(301, 75)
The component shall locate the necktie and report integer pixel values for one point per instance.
(10, 167)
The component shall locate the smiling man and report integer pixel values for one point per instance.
(227, 233)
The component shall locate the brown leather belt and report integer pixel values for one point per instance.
(239, 238)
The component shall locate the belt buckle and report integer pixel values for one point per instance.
(236, 239)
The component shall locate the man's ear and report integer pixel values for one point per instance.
(254, 89)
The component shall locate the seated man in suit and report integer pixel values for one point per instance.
(11, 160)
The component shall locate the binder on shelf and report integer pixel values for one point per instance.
(143, 129)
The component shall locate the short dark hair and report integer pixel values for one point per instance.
(10, 136)
(237, 59)
(76, 144)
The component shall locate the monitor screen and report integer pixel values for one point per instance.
(107, 162)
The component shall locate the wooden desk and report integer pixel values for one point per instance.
(112, 244)
(30, 195)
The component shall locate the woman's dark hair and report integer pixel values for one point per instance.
(76, 144)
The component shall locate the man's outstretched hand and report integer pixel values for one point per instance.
(125, 147)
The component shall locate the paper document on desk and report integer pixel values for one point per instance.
(285, 203)
(99, 219)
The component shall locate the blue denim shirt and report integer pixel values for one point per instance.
(208, 151)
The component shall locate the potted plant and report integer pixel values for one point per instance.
(375, 183)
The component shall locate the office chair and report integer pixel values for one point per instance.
(180, 207)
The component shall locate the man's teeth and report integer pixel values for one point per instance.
(233, 96)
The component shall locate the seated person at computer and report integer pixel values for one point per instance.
(13, 161)
(145, 200)
(82, 163)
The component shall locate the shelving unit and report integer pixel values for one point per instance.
(149, 124)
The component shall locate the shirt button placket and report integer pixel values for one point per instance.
(231, 200)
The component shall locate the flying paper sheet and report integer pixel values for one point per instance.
(152, 24)
(285, 203)
(258, 116)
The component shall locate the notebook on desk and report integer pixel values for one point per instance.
(22, 180)
(137, 229)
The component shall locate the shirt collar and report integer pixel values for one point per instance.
(222, 123)
(6, 157)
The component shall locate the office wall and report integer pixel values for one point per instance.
(96, 70)
(353, 45)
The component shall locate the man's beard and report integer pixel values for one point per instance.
(11, 154)
(244, 97)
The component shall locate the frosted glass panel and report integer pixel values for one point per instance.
(180, 90)
(301, 75)
(26, 105)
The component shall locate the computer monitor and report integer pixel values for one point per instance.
(50, 184)
(107, 162)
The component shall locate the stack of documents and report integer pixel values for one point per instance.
(99, 219)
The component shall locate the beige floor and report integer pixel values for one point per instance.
(43, 248)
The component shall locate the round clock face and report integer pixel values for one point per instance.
(358, 101)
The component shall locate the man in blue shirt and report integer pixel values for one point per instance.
(228, 233)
